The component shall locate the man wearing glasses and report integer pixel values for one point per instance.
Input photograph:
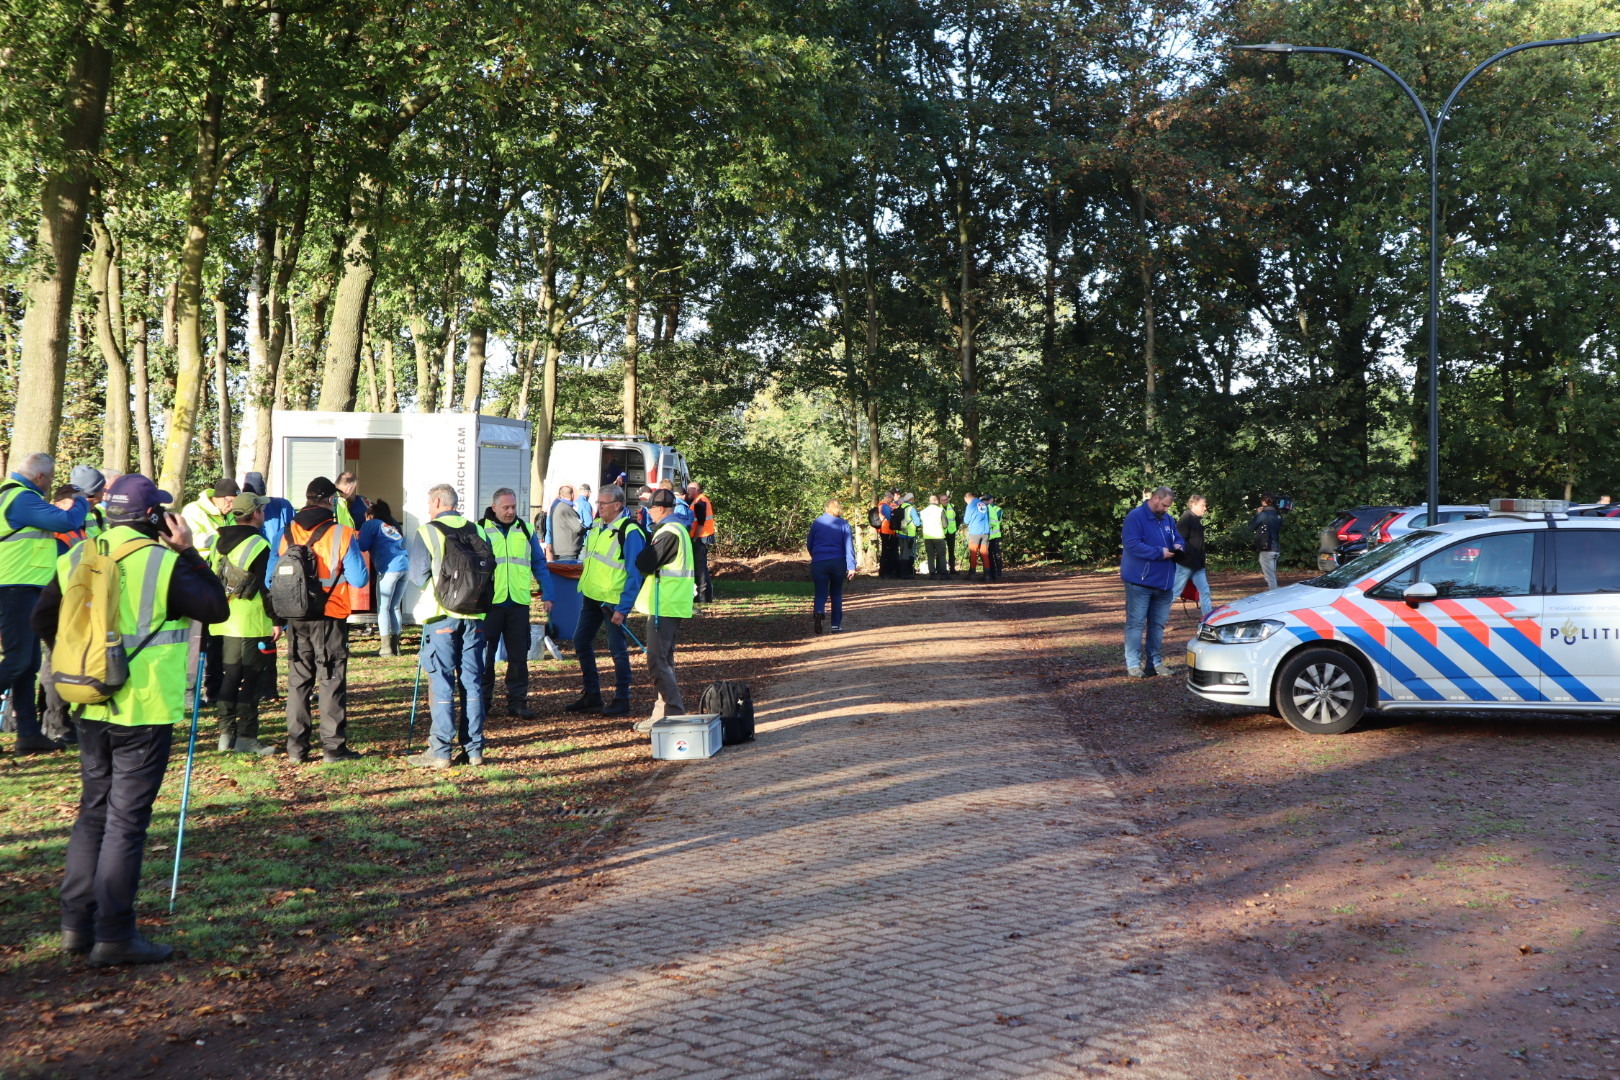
(608, 586)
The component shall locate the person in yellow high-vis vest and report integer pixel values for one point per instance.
(667, 564)
(207, 514)
(520, 576)
(249, 633)
(28, 550)
(608, 587)
(124, 742)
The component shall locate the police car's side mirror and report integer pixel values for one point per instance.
(1419, 591)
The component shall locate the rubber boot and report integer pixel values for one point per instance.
(247, 731)
(387, 647)
(227, 727)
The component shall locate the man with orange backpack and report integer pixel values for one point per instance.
(325, 558)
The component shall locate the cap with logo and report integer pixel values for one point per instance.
(132, 497)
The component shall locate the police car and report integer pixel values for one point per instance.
(1517, 610)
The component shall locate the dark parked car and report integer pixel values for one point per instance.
(1345, 537)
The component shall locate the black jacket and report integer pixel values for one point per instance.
(194, 593)
(1267, 530)
(660, 553)
(1191, 528)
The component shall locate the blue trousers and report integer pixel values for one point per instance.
(453, 658)
(390, 601)
(20, 665)
(828, 574)
(1200, 580)
(1146, 612)
(592, 616)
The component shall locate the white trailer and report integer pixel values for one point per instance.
(398, 456)
(599, 459)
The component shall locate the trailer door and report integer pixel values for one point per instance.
(498, 467)
(303, 459)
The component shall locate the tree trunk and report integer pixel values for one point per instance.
(353, 299)
(472, 396)
(373, 391)
(390, 401)
(1150, 363)
(968, 312)
(447, 362)
(519, 409)
(193, 254)
(222, 386)
(48, 292)
(276, 258)
(632, 307)
(106, 282)
(139, 332)
(422, 345)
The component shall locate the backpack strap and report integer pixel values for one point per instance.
(6, 487)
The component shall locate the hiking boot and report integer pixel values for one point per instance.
(342, 753)
(835, 628)
(386, 647)
(818, 622)
(617, 707)
(253, 746)
(586, 703)
(516, 709)
(642, 727)
(227, 729)
(428, 760)
(137, 950)
(35, 744)
(78, 941)
(1135, 672)
(475, 758)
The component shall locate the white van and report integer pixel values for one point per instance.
(600, 459)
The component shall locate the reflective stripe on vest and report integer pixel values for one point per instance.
(669, 590)
(514, 572)
(605, 575)
(155, 692)
(27, 555)
(247, 618)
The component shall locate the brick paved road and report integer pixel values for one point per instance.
(880, 886)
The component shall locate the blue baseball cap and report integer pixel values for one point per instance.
(132, 497)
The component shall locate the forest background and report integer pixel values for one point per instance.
(1053, 250)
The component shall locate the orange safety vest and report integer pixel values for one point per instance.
(328, 562)
(887, 528)
(707, 528)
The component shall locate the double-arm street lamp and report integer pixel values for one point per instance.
(1432, 127)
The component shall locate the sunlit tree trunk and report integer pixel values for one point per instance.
(632, 307)
(222, 388)
(472, 395)
(106, 282)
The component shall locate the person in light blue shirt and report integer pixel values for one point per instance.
(831, 544)
(584, 507)
(381, 537)
(976, 519)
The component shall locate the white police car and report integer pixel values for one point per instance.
(1516, 610)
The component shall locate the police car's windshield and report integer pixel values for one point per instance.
(1382, 555)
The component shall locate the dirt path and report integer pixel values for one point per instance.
(916, 870)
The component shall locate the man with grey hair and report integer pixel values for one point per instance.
(452, 642)
(520, 574)
(28, 524)
(1148, 570)
(608, 587)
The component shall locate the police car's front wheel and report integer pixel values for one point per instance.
(1321, 692)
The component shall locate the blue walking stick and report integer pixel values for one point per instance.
(416, 688)
(185, 787)
(625, 626)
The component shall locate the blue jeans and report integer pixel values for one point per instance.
(21, 662)
(592, 616)
(1200, 579)
(390, 601)
(1146, 610)
(452, 653)
(828, 574)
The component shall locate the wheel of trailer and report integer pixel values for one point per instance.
(1321, 692)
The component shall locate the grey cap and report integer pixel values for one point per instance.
(88, 479)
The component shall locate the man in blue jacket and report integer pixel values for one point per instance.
(1148, 569)
(28, 528)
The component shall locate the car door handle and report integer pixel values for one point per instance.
(1517, 614)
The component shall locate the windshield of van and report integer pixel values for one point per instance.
(1370, 563)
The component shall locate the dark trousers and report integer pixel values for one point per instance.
(20, 664)
(995, 557)
(936, 558)
(828, 576)
(888, 555)
(508, 623)
(950, 554)
(214, 671)
(700, 569)
(121, 769)
(56, 722)
(591, 619)
(317, 651)
(245, 677)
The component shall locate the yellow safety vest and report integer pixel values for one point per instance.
(156, 690)
(514, 572)
(94, 523)
(205, 522)
(668, 592)
(995, 523)
(247, 619)
(27, 555)
(428, 608)
(933, 523)
(605, 575)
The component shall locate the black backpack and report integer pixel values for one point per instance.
(735, 704)
(296, 588)
(874, 518)
(465, 582)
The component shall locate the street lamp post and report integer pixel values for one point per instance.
(1432, 127)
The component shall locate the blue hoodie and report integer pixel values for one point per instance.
(976, 518)
(1145, 537)
(830, 538)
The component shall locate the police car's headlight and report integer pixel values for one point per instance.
(1242, 633)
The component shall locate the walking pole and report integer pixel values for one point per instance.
(416, 688)
(185, 786)
(625, 626)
